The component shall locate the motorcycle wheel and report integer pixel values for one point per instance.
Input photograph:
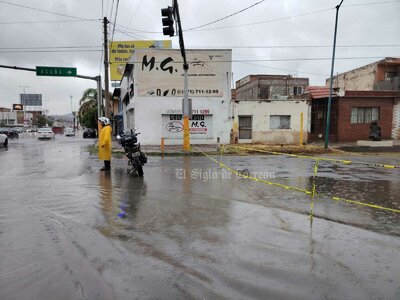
(140, 170)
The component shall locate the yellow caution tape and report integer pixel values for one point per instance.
(313, 193)
(222, 165)
(366, 204)
(346, 162)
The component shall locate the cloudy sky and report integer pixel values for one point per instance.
(266, 37)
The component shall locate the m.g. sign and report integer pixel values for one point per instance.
(159, 72)
(200, 126)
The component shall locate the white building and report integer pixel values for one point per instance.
(152, 93)
(271, 122)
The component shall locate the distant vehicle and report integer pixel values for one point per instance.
(69, 132)
(58, 130)
(3, 140)
(45, 133)
(9, 132)
(89, 133)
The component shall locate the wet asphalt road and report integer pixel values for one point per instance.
(187, 230)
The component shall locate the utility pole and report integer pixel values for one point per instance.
(106, 65)
(328, 113)
(168, 14)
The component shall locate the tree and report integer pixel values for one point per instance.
(89, 118)
(88, 106)
(42, 121)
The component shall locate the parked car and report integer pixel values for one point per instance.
(9, 132)
(69, 132)
(89, 133)
(45, 133)
(3, 140)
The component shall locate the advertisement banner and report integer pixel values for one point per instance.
(121, 51)
(200, 126)
(18, 107)
(160, 72)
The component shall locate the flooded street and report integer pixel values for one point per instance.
(189, 230)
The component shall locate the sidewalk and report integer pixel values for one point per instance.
(353, 147)
(171, 149)
(311, 149)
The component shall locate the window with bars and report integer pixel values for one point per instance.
(364, 114)
(245, 127)
(279, 122)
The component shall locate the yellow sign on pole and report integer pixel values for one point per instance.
(121, 51)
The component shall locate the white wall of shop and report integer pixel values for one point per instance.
(149, 112)
(261, 113)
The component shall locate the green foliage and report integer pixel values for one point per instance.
(42, 120)
(89, 118)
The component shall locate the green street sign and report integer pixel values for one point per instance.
(55, 71)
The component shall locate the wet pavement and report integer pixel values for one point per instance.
(189, 230)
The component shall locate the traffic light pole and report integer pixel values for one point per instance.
(185, 108)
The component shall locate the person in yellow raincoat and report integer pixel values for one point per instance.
(105, 143)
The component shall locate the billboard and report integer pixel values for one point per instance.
(31, 99)
(121, 51)
(18, 107)
(160, 72)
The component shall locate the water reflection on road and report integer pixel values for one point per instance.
(187, 230)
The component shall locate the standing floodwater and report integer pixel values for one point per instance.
(190, 230)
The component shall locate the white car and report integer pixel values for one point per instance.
(69, 132)
(3, 140)
(45, 133)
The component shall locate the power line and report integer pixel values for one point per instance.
(45, 11)
(263, 22)
(231, 15)
(371, 3)
(115, 20)
(132, 30)
(289, 17)
(281, 69)
(50, 47)
(38, 22)
(49, 51)
(212, 47)
(131, 34)
(134, 12)
(293, 46)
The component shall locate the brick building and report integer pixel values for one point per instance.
(351, 114)
(382, 75)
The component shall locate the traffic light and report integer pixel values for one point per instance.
(168, 21)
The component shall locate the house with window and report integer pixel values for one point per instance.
(269, 109)
(271, 122)
(382, 75)
(351, 113)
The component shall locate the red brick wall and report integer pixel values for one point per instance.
(348, 132)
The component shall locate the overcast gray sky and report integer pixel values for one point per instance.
(265, 39)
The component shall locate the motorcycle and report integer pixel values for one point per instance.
(136, 157)
(375, 131)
